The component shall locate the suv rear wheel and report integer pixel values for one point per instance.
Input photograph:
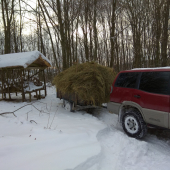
(133, 124)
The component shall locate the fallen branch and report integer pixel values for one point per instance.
(8, 113)
(27, 105)
(33, 121)
(53, 119)
(27, 114)
(23, 107)
(41, 102)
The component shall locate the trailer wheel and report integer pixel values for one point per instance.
(69, 106)
(64, 103)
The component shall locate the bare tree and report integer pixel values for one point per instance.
(7, 8)
(164, 41)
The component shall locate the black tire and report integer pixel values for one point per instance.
(133, 124)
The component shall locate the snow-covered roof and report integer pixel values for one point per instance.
(24, 59)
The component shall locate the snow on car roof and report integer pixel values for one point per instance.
(148, 69)
(154, 68)
(23, 59)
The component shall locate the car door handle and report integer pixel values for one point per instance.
(137, 96)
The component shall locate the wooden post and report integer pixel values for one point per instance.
(16, 79)
(2, 84)
(30, 96)
(28, 75)
(22, 86)
(44, 84)
(8, 78)
(39, 74)
(36, 95)
(39, 94)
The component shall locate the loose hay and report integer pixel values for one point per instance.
(89, 81)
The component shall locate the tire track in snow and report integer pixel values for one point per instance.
(96, 162)
(120, 152)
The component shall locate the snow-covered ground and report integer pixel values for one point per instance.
(44, 136)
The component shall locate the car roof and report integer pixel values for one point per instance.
(155, 69)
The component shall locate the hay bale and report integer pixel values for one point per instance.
(89, 81)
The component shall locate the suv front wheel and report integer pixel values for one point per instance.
(133, 124)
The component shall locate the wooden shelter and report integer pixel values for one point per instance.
(23, 73)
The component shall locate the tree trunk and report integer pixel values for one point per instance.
(164, 43)
(7, 20)
(112, 32)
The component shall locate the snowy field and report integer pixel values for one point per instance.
(44, 136)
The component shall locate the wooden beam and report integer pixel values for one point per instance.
(47, 64)
(30, 96)
(45, 84)
(22, 86)
(8, 84)
(12, 67)
(41, 68)
(2, 89)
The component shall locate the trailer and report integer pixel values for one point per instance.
(71, 102)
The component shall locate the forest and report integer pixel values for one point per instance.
(121, 34)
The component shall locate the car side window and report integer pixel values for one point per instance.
(127, 80)
(155, 82)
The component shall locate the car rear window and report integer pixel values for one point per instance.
(155, 82)
(127, 80)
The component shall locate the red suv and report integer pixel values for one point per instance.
(141, 98)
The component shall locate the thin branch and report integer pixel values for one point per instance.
(23, 107)
(33, 121)
(8, 113)
(53, 118)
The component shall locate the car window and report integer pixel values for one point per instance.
(155, 82)
(127, 80)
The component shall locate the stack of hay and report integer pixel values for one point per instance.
(89, 81)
